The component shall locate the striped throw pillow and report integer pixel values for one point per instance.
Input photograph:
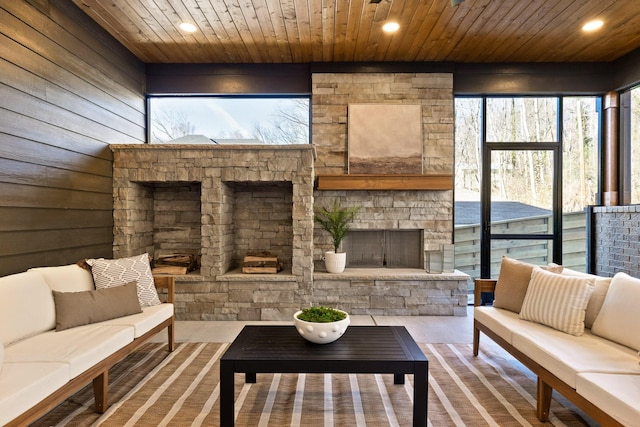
(557, 301)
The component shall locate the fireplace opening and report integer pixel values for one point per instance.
(384, 249)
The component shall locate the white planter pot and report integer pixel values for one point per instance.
(335, 262)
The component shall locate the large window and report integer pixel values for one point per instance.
(634, 146)
(521, 143)
(229, 120)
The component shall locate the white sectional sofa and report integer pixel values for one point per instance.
(596, 365)
(42, 361)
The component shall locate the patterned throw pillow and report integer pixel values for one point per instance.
(115, 272)
(557, 301)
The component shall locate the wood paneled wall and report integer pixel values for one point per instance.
(67, 91)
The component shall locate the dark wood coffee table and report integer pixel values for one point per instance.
(362, 349)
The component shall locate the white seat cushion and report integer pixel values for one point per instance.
(145, 321)
(81, 347)
(566, 355)
(66, 278)
(617, 395)
(500, 321)
(26, 306)
(25, 384)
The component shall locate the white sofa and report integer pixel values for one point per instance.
(43, 366)
(598, 368)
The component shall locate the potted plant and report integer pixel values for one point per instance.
(321, 325)
(335, 221)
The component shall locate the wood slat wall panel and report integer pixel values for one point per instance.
(43, 90)
(21, 103)
(19, 242)
(23, 57)
(15, 263)
(73, 20)
(69, 91)
(16, 172)
(29, 151)
(29, 219)
(40, 43)
(28, 196)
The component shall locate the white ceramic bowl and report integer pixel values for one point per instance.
(321, 333)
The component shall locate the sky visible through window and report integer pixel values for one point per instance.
(256, 120)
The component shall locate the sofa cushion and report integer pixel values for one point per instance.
(566, 355)
(617, 395)
(82, 308)
(26, 306)
(513, 281)
(596, 300)
(502, 322)
(66, 278)
(114, 272)
(80, 347)
(145, 321)
(26, 384)
(620, 315)
(557, 301)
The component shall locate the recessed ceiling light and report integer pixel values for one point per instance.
(390, 27)
(187, 27)
(596, 24)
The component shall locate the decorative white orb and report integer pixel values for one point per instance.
(321, 333)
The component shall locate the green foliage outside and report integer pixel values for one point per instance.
(321, 315)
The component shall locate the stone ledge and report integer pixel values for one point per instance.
(389, 274)
(238, 276)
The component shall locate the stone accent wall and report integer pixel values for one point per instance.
(431, 211)
(262, 198)
(617, 240)
(333, 92)
(266, 190)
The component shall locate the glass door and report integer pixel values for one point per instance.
(521, 194)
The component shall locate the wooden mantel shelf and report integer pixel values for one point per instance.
(385, 182)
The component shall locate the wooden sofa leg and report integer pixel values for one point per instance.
(101, 392)
(476, 340)
(171, 336)
(544, 400)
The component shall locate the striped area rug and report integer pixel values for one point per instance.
(152, 388)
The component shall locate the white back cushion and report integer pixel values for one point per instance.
(619, 316)
(26, 306)
(67, 278)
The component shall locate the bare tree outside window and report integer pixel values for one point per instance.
(635, 145)
(230, 120)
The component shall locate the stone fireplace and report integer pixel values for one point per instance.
(220, 202)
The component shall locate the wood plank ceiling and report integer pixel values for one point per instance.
(302, 31)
